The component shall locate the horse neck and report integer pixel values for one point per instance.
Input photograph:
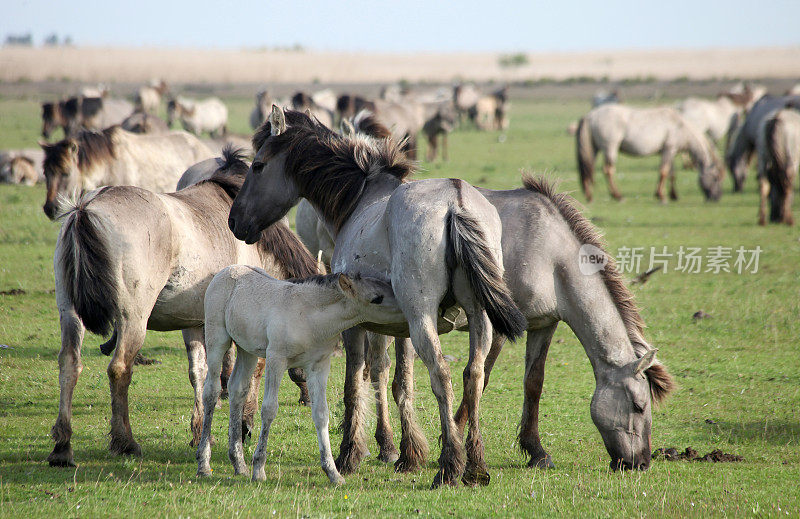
(328, 312)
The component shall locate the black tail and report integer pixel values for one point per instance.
(88, 276)
(776, 168)
(468, 247)
(585, 151)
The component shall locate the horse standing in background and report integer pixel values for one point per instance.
(207, 115)
(778, 146)
(148, 97)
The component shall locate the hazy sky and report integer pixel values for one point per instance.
(411, 25)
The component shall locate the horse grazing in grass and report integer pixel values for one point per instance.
(742, 145)
(641, 132)
(130, 260)
(246, 305)
(778, 146)
(116, 157)
(437, 240)
(207, 115)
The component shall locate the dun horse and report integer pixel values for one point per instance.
(438, 241)
(130, 260)
(208, 115)
(778, 147)
(117, 157)
(641, 132)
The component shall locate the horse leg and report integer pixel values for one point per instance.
(462, 414)
(227, 369)
(535, 355)
(120, 369)
(298, 376)
(275, 366)
(480, 339)
(379, 364)
(353, 447)
(238, 388)
(763, 189)
(318, 382)
(194, 339)
(218, 344)
(673, 191)
(413, 445)
(431, 155)
(69, 369)
(609, 170)
(444, 147)
(788, 181)
(663, 173)
(251, 400)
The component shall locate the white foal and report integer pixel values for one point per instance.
(290, 324)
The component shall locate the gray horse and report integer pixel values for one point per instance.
(420, 235)
(130, 260)
(778, 146)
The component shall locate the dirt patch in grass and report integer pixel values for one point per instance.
(13, 292)
(689, 454)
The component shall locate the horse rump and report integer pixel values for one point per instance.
(467, 246)
(777, 164)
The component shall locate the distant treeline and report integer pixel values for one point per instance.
(26, 40)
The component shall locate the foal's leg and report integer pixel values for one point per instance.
(318, 382)
(275, 366)
(379, 364)
(120, 369)
(237, 392)
(462, 414)
(218, 343)
(413, 445)
(535, 355)
(353, 447)
(194, 339)
(69, 368)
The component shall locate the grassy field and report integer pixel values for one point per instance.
(738, 374)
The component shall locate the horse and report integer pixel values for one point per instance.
(148, 97)
(207, 115)
(418, 234)
(53, 117)
(263, 105)
(465, 97)
(742, 144)
(717, 119)
(348, 105)
(143, 122)
(440, 119)
(404, 121)
(304, 102)
(94, 113)
(595, 304)
(246, 305)
(778, 146)
(116, 157)
(640, 132)
(129, 260)
(22, 166)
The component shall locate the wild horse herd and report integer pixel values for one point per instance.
(410, 260)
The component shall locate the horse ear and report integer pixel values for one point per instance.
(277, 121)
(347, 128)
(346, 285)
(321, 264)
(647, 360)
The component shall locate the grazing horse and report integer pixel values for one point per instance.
(778, 146)
(437, 240)
(148, 97)
(641, 132)
(742, 144)
(259, 312)
(53, 117)
(207, 115)
(130, 260)
(143, 122)
(116, 157)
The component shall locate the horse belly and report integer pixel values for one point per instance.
(180, 302)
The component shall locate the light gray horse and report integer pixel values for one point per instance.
(197, 117)
(263, 105)
(148, 97)
(717, 119)
(641, 132)
(438, 241)
(23, 166)
(143, 122)
(130, 260)
(778, 146)
(117, 157)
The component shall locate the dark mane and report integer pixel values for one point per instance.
(661, 382)
(331, 170)
(365, 122)
(317, 279)
(70, 108)
(91, 106)
(93, 148)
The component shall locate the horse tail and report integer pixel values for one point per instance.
(776, 166)
(87, 271)
(467, 246)
(585, 150)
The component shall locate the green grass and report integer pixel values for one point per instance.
(738, 374)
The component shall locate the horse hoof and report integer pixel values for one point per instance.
(440, 480)
(406, 465)
(544, 462)
(61, 457)
(204, 473)
(126, 448)
(388, 456)
(474, 476)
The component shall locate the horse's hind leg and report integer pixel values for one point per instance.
(480, 339)
(462, 414)
(353, 447)
(238, 389)
(69, 368)
(413, 445)
(120, 370)
(609, 169)
(275, 366)
(194, 339)
(763, 189)
(379, 364)
(788, 191)
(535, 355)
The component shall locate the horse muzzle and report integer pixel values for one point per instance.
(50, 209)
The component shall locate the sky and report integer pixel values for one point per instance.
(410, 25)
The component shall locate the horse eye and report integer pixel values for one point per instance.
(257, 167)
(638, 407)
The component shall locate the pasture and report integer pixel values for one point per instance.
(738, 372)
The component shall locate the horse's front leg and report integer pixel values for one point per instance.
(667, 156)
(218, 343)
(480, 340)
(131, 334)
(379, 365)
(318, 382)
(273, 373)
(69, 369)
(462, 414)
(413, 445)
(194, 339)
(535, 356)
(353, 447)
(238, 387)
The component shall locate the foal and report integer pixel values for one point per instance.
(299, 327)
